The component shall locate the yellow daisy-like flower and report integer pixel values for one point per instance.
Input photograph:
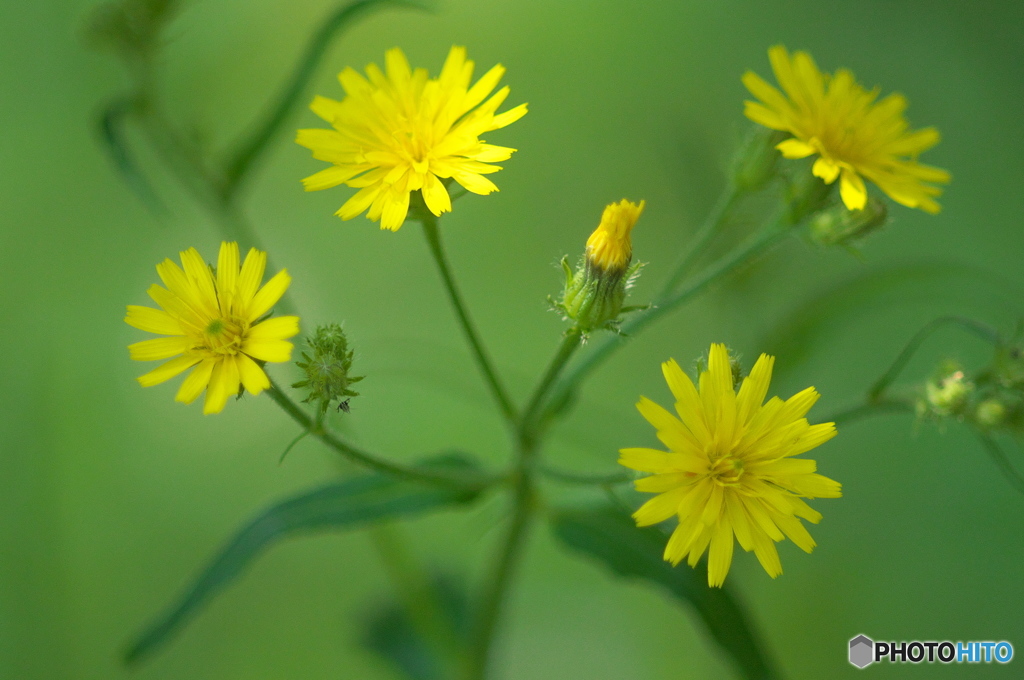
(854, 136)
(730, 468)
(609, 248)
(213, 323)
(400, 131)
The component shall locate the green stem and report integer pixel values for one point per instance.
(567, 477)
(483, 362)
(291, 95)
(704, 236)
(570, 343)
(867, 409)
(417, 592)
(489, 612)
(358, 455)
(768, 238)
(981, 330)
(1002, 462)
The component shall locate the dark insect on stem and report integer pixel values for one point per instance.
(343, 406)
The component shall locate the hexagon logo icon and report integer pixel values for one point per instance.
(862, 651)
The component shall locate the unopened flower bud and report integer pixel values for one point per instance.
(840, 226)
(947, 393)
(594, 294)
(327, 368)
(990, 413)
(757, 159)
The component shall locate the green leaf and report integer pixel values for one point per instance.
(349, 504)
(609, 535)
(391, 632)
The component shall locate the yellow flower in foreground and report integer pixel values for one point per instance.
(400, 131)
(213, 323)
(609, 247)
(730, 468)
(854, 136)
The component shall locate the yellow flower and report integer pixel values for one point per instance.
(609, 247)
(854, 136)
(730, 467)
(401, 131)
(213, 323)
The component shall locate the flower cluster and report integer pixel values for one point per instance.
(398, 131)
(730, 469)
(213, 320)
(854, 135)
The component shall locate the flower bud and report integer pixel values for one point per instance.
(326, 367)
(990, 413)
(946, 394)
(840, 226)
(595, 292)
(756, 161)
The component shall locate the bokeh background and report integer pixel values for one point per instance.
(111, 496)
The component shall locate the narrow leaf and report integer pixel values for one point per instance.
(349, 504)
(111, 129)
(609, 535)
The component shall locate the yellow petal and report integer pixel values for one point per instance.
(227, 275)
(659, 508)
(794, 148)
(720, 556)
(159, 348)
(251, 275)
(267, 296)
(276, 328)
(435, 195)
(252, 376)
(152, 320)
(852, 190)
(168, 370)
(196, 381)
(274, 351)
(826, 170)
(223, 384)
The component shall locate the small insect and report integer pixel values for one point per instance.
(343, 406)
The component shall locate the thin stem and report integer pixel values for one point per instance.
(358, 455)
(483, 362)
(768, 238)
(981, 330)
(576, 478)
(870, 408)
(498, 585)
(291, 95)
(705, 235)
(570, 343)
(1002, 462)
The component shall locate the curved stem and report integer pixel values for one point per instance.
(890, 375)
(569, 345)
(483, 362)
(289, 99)
(358, 455)
(1002, 462)
(870, 408)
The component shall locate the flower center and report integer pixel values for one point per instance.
(726, 471)
(223, 336)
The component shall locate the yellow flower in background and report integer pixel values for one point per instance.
(400, 131)
(730, 468)
(213, 324)
(609, 248)
(854, 136)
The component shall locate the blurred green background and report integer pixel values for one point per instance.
(113, 496)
